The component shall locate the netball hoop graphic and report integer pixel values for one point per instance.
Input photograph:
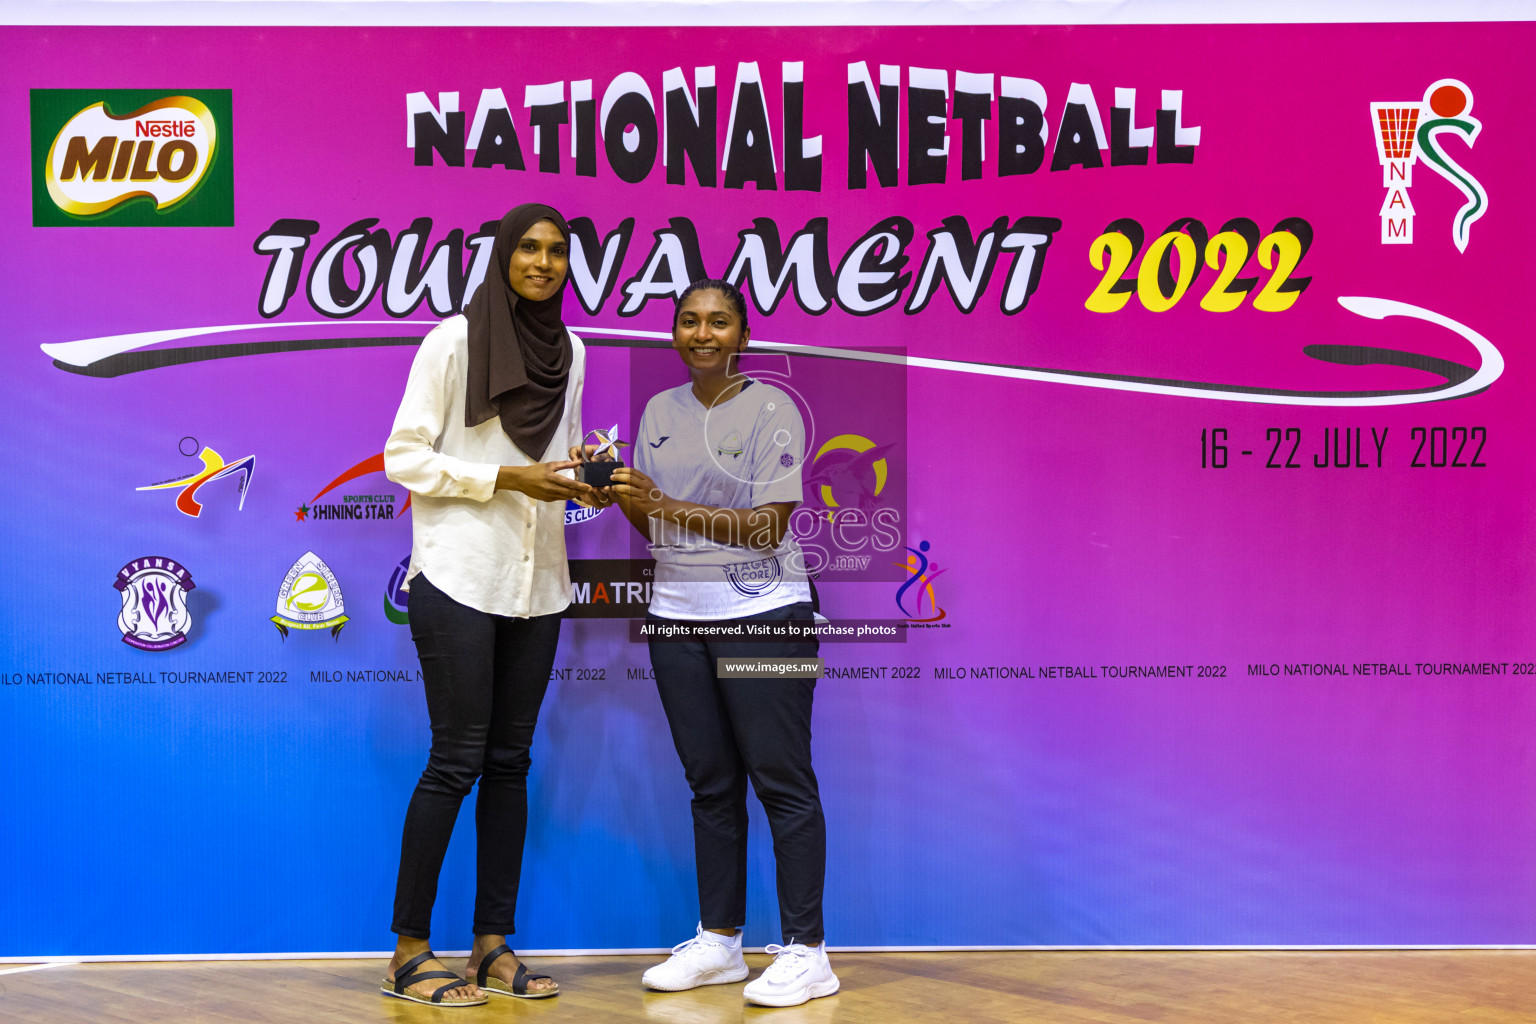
(1409, 131)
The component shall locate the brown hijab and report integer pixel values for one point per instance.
(519, 352)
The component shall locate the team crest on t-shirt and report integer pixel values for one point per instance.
(753, 579)
(731, 445)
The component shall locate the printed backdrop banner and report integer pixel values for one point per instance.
(1168, 481)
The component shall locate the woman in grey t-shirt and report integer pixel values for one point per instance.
(717, 475)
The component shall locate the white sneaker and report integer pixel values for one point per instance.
(798, 973)
(705, 959)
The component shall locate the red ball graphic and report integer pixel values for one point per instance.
(1447, 101)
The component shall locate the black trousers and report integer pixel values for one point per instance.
(730, 730)
(485, 678)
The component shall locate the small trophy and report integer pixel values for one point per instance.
(596, 470)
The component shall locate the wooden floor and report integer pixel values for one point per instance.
(1429, 987)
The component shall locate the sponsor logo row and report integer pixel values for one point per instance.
(849, 467)
(155, 615)
(331, 503)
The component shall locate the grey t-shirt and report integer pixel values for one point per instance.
(744, 453)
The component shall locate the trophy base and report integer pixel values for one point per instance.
(597, 474)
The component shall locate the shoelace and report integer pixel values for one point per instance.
(691, 946)
(787, 960)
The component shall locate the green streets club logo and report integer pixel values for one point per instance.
(310, 598)
(131, 158)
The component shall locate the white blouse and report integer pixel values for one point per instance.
(500, 552)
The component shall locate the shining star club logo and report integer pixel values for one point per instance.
(1408, 133)
(310, 598)
(154, 616)
(214, 468)
(378, 508)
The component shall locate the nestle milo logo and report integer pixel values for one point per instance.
(131, 158)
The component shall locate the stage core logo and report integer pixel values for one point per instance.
(753, 579)
(1410, 131)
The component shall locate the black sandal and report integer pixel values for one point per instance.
(409, 975)
(520, 980)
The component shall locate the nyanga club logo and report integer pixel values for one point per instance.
(132, 158)
(310, 598)
(154, 616)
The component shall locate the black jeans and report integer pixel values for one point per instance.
(729, 730)
(485, 679)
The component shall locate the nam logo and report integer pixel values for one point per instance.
(131, 157)
(1407, 132)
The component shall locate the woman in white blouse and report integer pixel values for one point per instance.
(491, 410)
